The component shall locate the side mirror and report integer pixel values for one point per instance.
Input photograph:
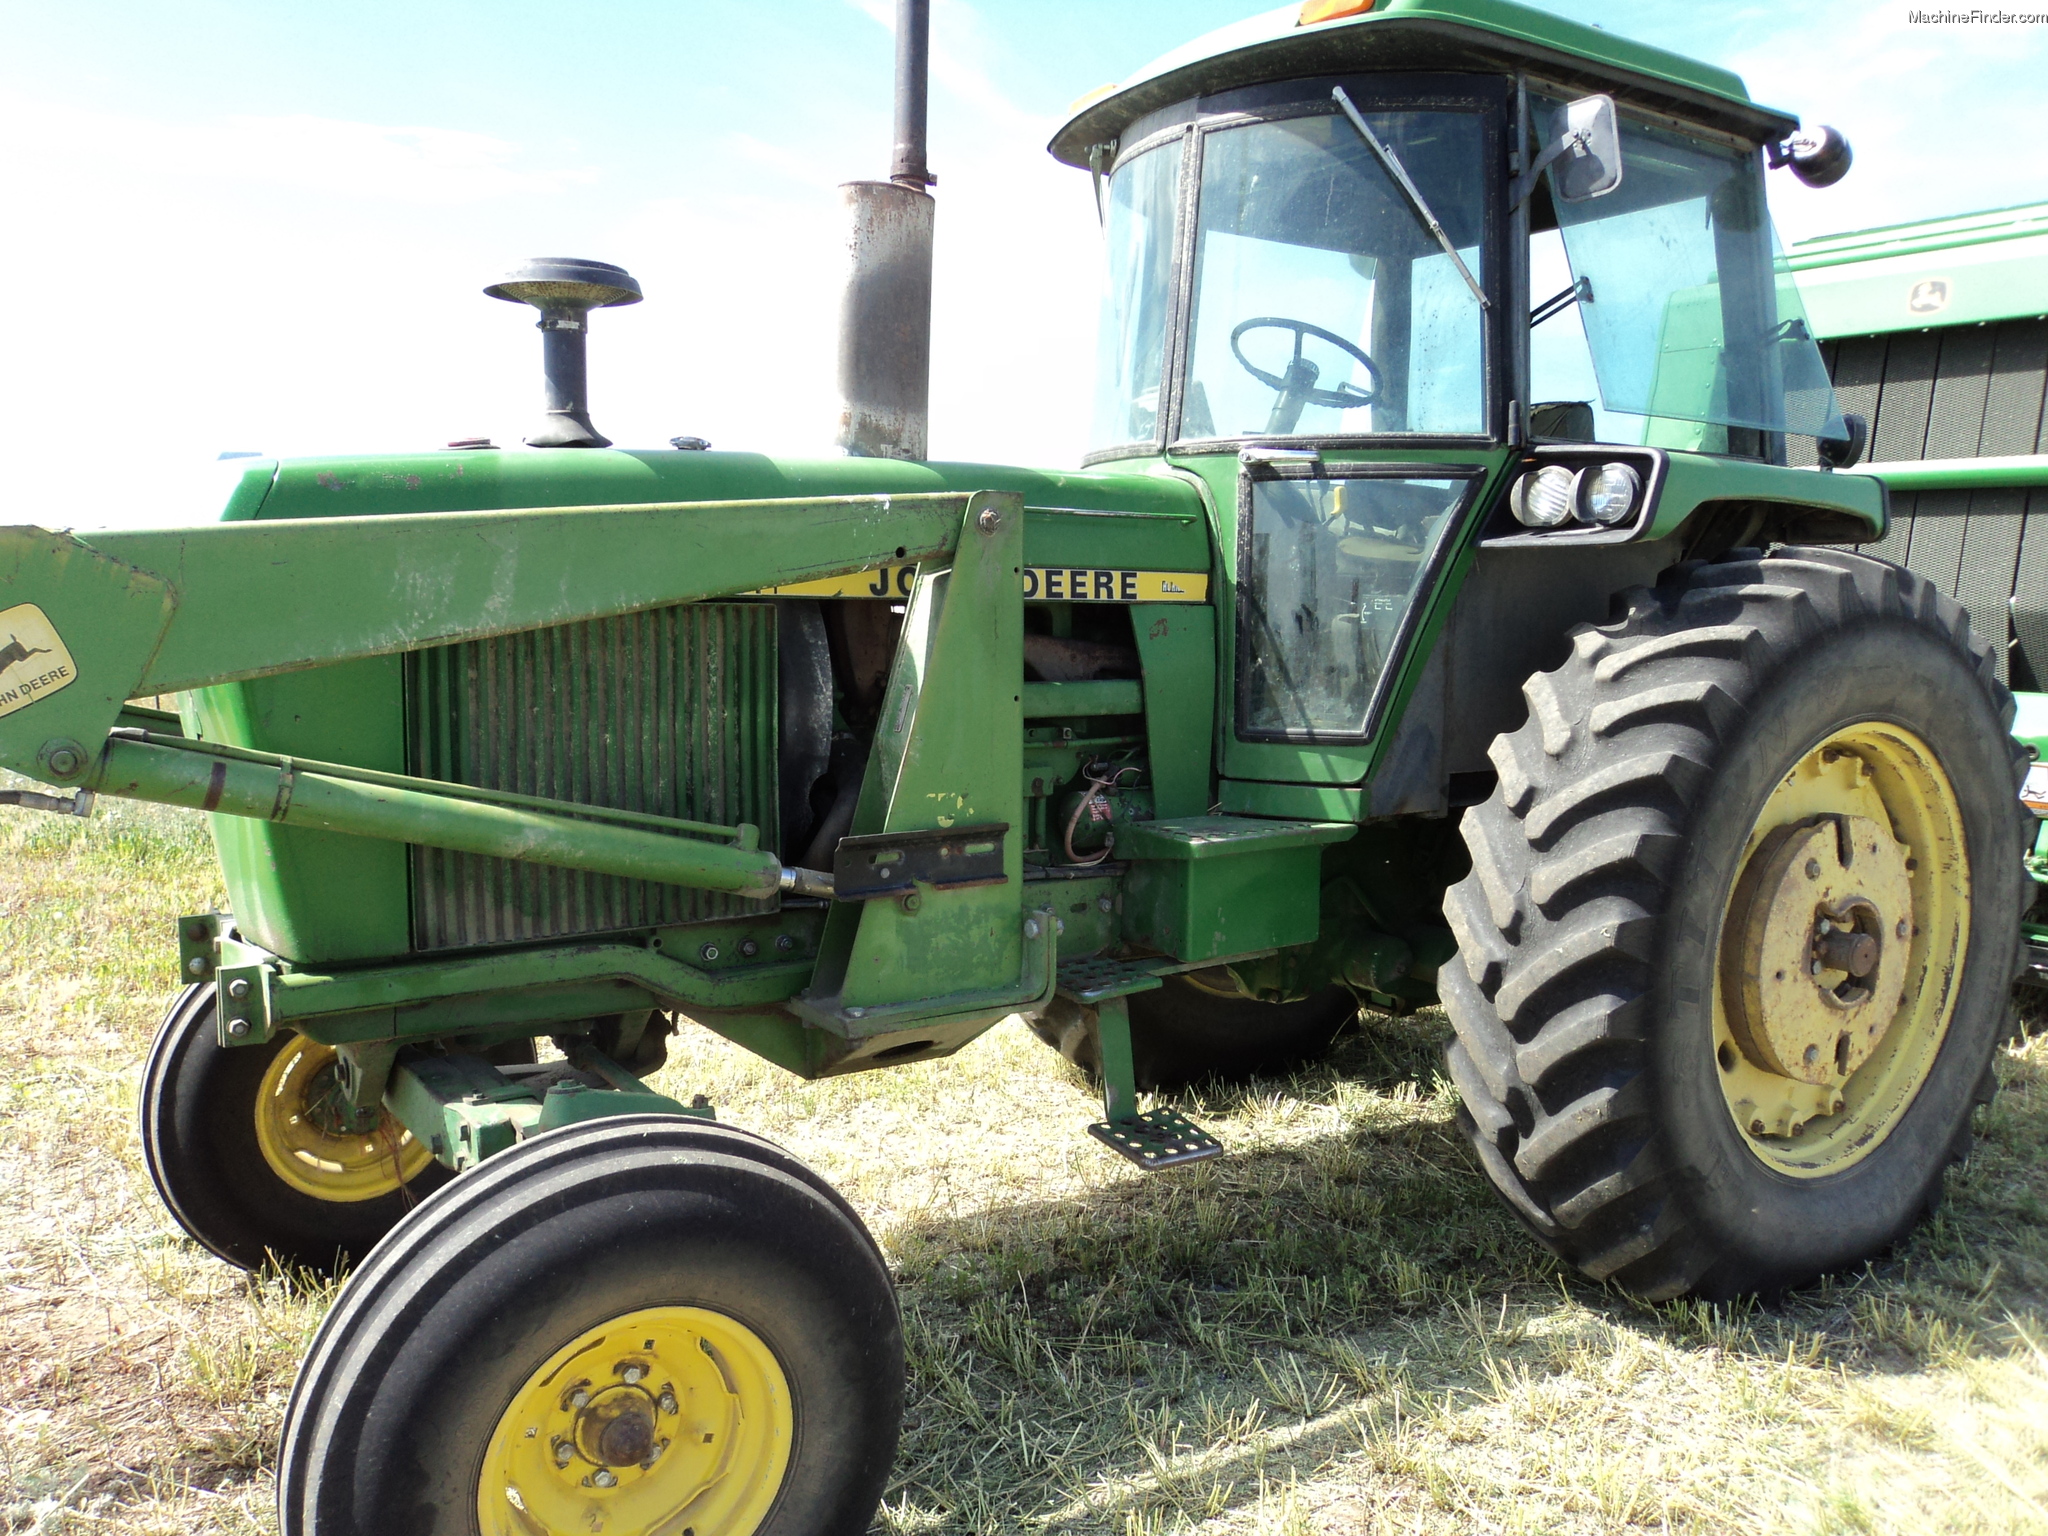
(1584, 161)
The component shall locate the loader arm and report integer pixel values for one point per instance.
(125, 615)
(150, 612)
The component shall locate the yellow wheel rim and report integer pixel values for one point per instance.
(664, 1421)
(1841, 950)
(302, 1132)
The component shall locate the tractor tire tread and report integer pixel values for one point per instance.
(1572, 858)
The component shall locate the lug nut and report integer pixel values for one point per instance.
(632, 1373)
(667, 1404)
(655, 1455)
(604, 1477)
(580, 1398)
(564, 1453)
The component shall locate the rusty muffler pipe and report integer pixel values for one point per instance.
(885, 306)
(565, 290)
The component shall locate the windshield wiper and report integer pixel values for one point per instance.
(1396, 170)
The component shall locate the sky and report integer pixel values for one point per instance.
(265, 225)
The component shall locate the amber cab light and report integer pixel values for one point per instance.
(1313, 11)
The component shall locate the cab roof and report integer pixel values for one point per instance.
(1483, 36)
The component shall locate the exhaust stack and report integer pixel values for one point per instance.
(565, 290)
(885, 306)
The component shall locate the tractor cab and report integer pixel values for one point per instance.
(1370, 225)
(1369, 260)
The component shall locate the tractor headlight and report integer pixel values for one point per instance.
(1542, 498)
(1607, 495)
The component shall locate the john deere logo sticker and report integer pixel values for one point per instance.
(1928, 295)
(1053, 583)
(33, 660)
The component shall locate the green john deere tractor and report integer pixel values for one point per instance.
(1363, 664)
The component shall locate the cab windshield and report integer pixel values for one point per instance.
(1323, 305)
(1320, 302)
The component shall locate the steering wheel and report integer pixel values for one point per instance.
(1297, 384)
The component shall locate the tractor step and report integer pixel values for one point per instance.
(1159, 1138)
(1092, 979)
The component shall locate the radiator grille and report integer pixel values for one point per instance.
(671, 712)
(1975, 391)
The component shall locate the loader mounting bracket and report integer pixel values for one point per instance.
(883, 864)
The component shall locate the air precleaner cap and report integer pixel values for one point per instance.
(565, 289)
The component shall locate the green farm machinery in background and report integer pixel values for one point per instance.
(1937, 333)
(1354, 669)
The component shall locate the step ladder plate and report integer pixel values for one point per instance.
(1091, 980)
(1159, 1138)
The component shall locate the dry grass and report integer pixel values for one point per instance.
(1336, 1329)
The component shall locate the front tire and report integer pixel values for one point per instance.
(1653, 883)
(641, 1325)
(242, 1146)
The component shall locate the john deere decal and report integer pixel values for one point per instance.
(1050, 583)
(33, 660)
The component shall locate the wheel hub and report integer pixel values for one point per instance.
(618, 1429)
(1824, 925)
(670, 1418)
(615, 1426)
(1841, 948)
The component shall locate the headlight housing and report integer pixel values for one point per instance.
(1544, 497)
(1608, 495)
(1594, 496)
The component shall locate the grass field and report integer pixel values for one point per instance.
(1335, 1329)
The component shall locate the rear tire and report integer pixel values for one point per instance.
(203, 1105)
(448, 1370)
(1186, 1032)
(1598, 931)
